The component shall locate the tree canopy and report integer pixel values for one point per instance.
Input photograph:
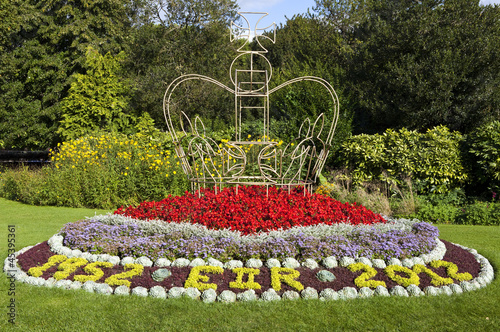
(394, 63)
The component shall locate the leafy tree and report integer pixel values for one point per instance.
(97, 99)
(170, 46)
(418, 64)
(306, 46)
(43, 45)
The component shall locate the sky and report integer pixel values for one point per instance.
(278, 9)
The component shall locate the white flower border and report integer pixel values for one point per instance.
(486, 276)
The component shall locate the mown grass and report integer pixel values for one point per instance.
(42, 309)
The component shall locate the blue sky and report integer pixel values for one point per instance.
(278, 9)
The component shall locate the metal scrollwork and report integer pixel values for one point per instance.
(208, 163)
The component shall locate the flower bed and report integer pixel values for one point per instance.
(321, 256)
(253, 209)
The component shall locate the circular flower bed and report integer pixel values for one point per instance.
(201, 252)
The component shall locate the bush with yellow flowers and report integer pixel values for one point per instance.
(100, 171)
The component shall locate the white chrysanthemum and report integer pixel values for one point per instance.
(309, 293)
(104, 257)
(379, 263)
(407, 262)
(175, 292)
(398, 291)
(418, 261)
(247, 296)
(291, 263)
(158, 292)
(63, 283)
(381, 291)
(74, 284)
(394, 261)
(65, 251)
(162, 262)
(365, 260)
(197, 262)
(180, 262)
(365, 292)
(57, 248)
(446, 290)
(214, 262)
(328, 294)
(104, 289)
(127, 260)
(290, 295)
(270, 295)
(414, 290)
(140, 291)
(86, 255)
(347, 293)
(431, 290)
(273, 262)
(329, 262)
(122, 290)
(233, 264)
(51, 281)
(115, 260)
(456, 289)
(346, 261)
(93, 258)
(310, 263)
(55, 239)
(254, 263)
(76, 253)
(226, 296)
(192, 293)
(209, 295)
(144, 261)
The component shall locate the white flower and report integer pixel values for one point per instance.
(192, 293)
(329, 294)
(226, 296)
(254, 263)
(310, 263)
(122, 290)
(209, 296)
(291, 263)
(270, 295)
(140, 291)
(158, 292)
(176, 292)
(290, 295)
(309, 293)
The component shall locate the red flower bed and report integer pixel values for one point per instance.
(251, 210)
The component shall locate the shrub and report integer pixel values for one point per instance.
(103, 171)
(480, 213)
(433, 160)
(441, 213)
(484, 146)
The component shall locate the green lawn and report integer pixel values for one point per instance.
(42, 309)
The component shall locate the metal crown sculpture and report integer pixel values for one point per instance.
(243, 162)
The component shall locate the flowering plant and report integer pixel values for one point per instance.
(253, 209)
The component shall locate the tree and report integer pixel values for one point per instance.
(44, 45)
(418, 64)
(97, 99)
(172, 46)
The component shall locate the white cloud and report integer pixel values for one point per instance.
(490, 2)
